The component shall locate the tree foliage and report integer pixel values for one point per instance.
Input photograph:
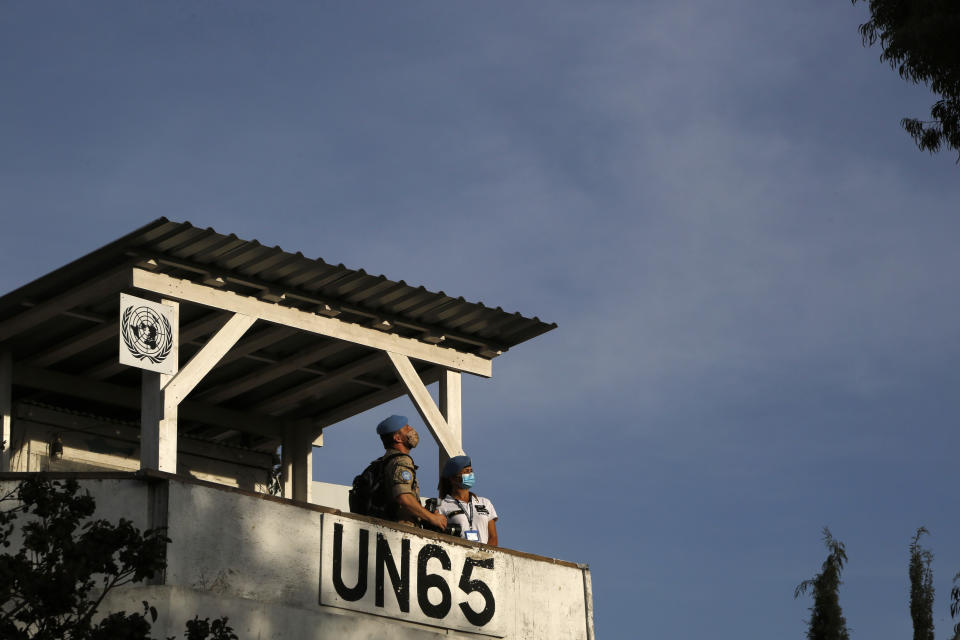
(52, 587)
(921, 588)
(826, 618)
(955, 605)
(919, 39)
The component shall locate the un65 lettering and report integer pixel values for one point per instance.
(379, 572)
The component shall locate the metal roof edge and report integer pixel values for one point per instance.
(116, 246)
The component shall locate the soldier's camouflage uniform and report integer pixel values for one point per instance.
(400, 476)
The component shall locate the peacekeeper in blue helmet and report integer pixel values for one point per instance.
(474, 514)
(400, 474)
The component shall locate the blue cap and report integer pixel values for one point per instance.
(391, 425)
(455, 465)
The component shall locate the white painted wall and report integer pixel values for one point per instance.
(267, 564)
(327, 494)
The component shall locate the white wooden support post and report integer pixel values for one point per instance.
(451, 410)
(297, 461)
(207, 358)
(6, 409)
(162, 394)
(158, 417)
(426, 407)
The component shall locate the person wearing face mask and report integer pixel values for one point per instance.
(475, 515)
(400, 474)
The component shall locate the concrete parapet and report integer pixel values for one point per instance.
(284, 569)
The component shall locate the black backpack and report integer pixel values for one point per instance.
(368, 493)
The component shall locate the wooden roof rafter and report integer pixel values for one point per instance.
(418, 302)
(189, 291)
(317, 347)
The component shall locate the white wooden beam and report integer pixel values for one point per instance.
(188, 334)
(120, 396)
(91, 291)
(89, 338)
(265, 374)
(425, 405)
(291, 397)
(158, 425)
(370, 400)
(188, 291)
(451, 409)
(297, 461)
(158, 416)
(257, 341)
(6, 409)
(207, 358)
(451, 406)
(131, 435)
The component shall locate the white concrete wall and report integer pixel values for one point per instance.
(327, 494)
(252, 620)
(115, 499)
(267, 564)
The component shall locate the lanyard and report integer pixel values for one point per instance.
(464, 509)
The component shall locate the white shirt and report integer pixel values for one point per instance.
(458, 512)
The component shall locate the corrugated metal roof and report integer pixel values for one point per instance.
(63, 327)
(248, 267)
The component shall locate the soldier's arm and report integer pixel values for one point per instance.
(402, 478)
(412, 506)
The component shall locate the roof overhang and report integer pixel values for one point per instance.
(317, 343)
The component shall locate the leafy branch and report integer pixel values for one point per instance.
(66, 563)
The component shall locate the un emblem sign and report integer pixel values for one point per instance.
(148, 338)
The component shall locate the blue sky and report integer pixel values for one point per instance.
(753, 269)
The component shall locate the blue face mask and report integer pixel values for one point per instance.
(467, 480)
